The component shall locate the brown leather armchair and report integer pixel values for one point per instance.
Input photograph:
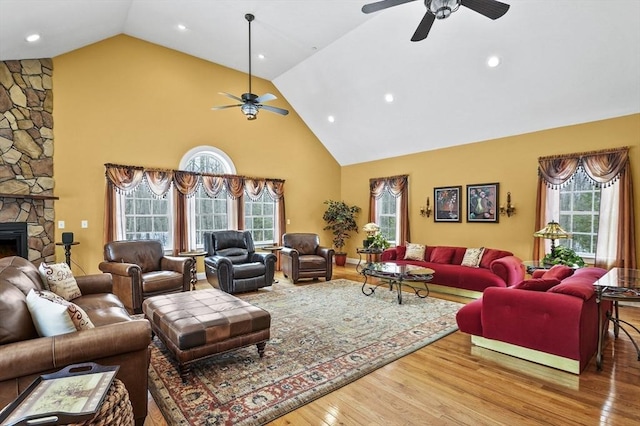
(303, 257)
(117, 339)
(141, 270)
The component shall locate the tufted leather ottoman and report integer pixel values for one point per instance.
(198, 324)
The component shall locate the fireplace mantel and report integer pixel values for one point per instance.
(30, 196)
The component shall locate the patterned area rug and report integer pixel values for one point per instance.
(323, 336)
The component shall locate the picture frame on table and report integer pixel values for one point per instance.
(482, 202)
(448, 202)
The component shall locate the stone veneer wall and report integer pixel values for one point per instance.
(26, 152)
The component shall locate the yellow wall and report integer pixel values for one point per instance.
(130, 102)
(510, 161)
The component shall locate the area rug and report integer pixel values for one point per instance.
(323, 336)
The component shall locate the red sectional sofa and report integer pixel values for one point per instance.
(551, 319)
(497, 268)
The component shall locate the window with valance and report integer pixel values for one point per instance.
(607, 170)
(179, 186)
(388, 207)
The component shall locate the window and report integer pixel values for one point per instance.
(259, 218)
(387, 213)
(579, 214)
(147, 217)
(206, 213)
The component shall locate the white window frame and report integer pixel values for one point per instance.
(566, 216)
(121, 201)
(266, 198)
(379, 202)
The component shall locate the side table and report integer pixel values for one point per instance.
(371, 255)
(619, 284)
(276, 251)
(67, 251)
(193, 254)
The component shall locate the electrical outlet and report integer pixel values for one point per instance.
(84, 224)
(288, 221)
(61, 224)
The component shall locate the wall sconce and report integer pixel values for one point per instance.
(509, 209)
(426, 211)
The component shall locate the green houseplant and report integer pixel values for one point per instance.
(341, 221)
(563, 256)
(377, 241)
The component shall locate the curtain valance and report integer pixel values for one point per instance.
(602, 167)
(395, 185)
(125, 179)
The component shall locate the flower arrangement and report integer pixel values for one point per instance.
(378, 241)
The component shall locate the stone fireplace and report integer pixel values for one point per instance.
(26, 155)
(13, 239)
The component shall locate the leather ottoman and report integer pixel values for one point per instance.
(199, 324)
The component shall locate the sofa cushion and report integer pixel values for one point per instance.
(442, 255)
(414, 252)
(472, 257)
(58, 278)
(489, 255)
(52, 315)
(537, 284)
(558, 271)
(15, 317)
(400, 252)
(583, 291)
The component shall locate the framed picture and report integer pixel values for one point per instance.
(447, 201)
(482, 202)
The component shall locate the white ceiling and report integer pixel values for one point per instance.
(563, 62)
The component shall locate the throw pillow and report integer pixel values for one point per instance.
(472, 257)
(585, 292)
(537, 284)
(52, 315)
(442, 254)
(558, 271)
(400, 252)
(58, 278)
(414, 252)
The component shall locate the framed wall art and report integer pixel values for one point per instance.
(447, 204)
(482, 202)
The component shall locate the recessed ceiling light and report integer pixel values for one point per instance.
(493, 61)
(182, 27)
(331, 119)
(32, 37)
(260, 56)
(388, 97)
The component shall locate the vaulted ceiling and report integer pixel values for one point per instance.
(563, 62)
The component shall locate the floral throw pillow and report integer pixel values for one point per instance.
(472, 257)
(414, 252)
(59, 279)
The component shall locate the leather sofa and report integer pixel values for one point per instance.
(141, 270)
(552, 323)
(497, 268)
(303, 257)
(117, 339)
(232, 264)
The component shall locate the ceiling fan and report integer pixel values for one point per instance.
(441, 9)
(252, 103)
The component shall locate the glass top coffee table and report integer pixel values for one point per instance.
(395, 275)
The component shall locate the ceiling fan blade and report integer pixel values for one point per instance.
(490, 8)
(384, 4)
(225, 106)
(231, 96)
(265, 98)
(274, 109)
(424, 27)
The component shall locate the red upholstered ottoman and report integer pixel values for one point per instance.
(198, 324)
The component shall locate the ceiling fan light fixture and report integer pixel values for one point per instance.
(250, 111)
(442, 8)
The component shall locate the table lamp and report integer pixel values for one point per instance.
(552, 232)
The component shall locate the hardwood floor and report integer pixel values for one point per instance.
(451, 382)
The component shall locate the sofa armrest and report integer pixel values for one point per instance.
(326, 252)
(509, 268)
(95, 283)
(176, 264)
(291, 252)
(121, 269)
(44, 354)
(389, 254)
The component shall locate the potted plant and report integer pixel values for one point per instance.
(341, 221)
(563, 256)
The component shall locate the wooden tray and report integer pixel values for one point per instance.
(71, 395)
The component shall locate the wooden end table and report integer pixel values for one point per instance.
(193, 254)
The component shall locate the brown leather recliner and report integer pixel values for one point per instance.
(117, 339)
(303, 257)
(141, 270)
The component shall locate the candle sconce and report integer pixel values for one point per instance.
(509, 209)
(426, 211)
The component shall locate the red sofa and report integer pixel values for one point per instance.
(497, 268)
(554, 323)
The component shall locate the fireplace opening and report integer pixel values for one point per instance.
(13, 240)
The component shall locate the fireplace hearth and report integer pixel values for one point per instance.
(13, 240)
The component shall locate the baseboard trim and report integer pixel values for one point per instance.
(438, 288)
(550, 360)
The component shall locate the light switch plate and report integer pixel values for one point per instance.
(61, 224)
(84, 224)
